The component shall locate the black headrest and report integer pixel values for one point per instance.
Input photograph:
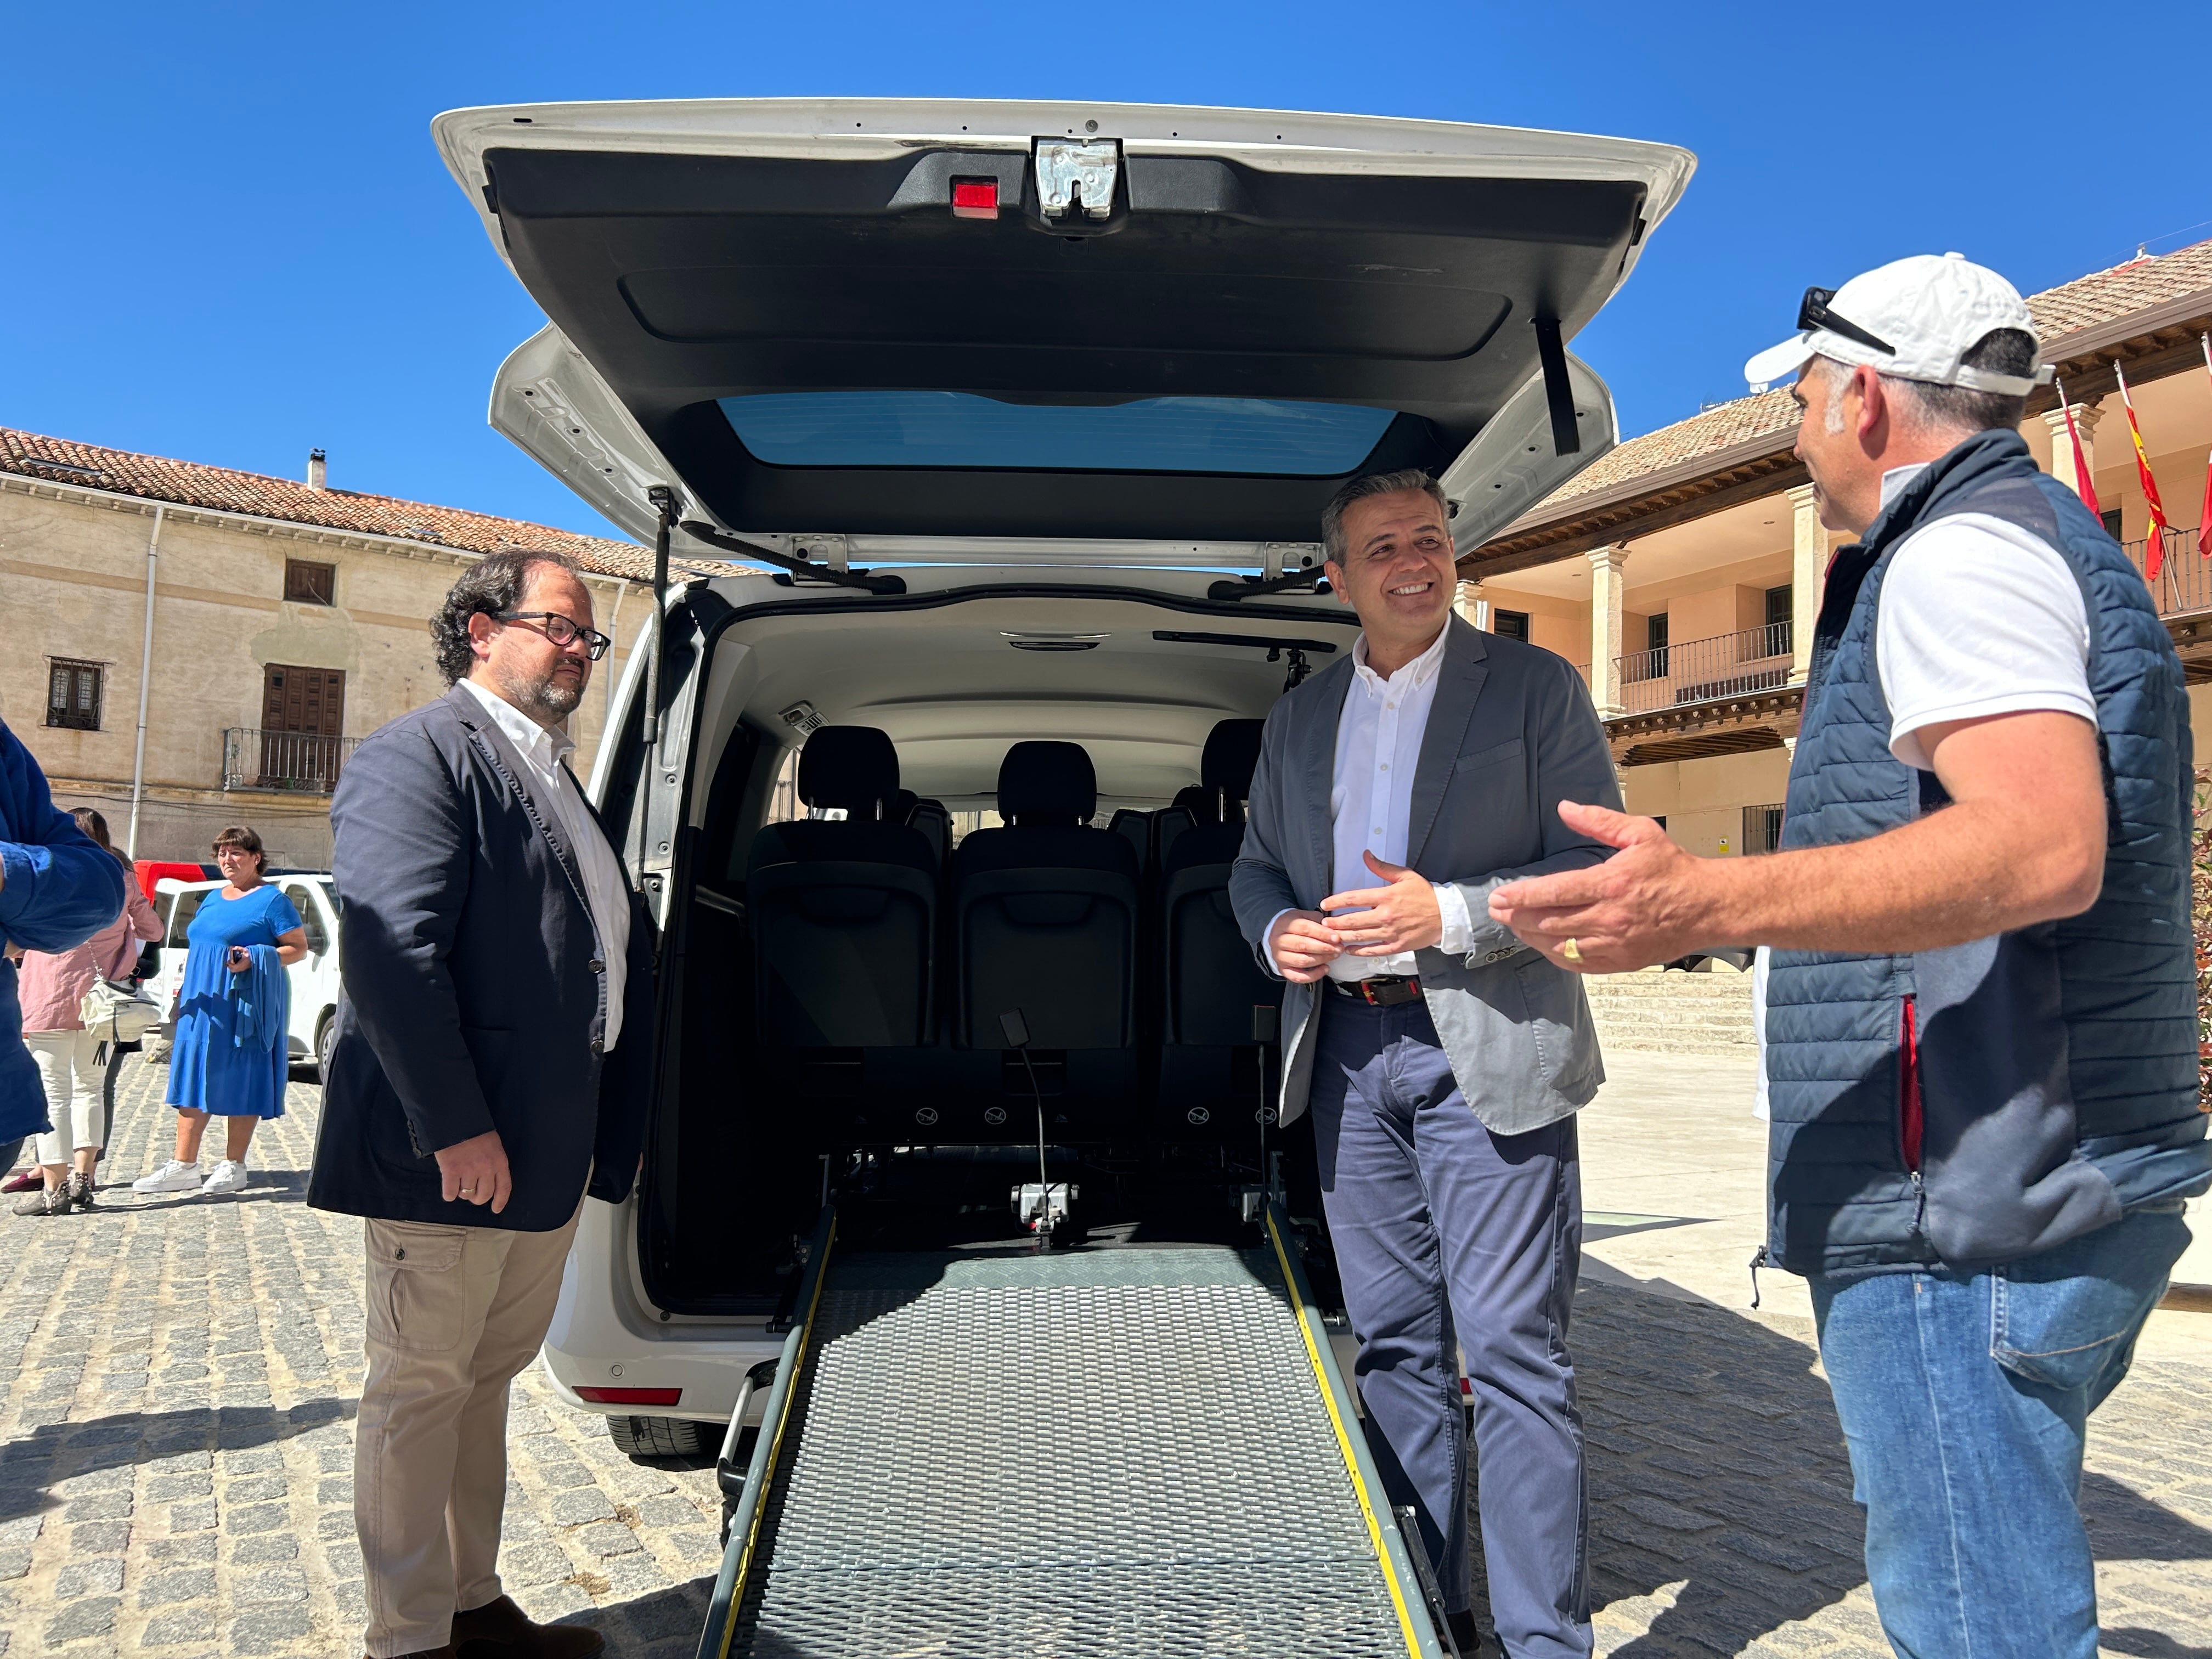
(1232, 754)
(849, 766)
(1047, 780)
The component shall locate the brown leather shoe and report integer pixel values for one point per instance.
(501, 1630)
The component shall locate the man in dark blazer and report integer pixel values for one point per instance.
(490, 1068)
(1444, 1060)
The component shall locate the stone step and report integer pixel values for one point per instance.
(1655, 1011)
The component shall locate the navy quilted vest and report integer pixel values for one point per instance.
(2057, 1065)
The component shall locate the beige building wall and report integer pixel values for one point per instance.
(1702, 800)
(73, 571)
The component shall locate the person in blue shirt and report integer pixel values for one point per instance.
(57, 888)
(231, 1011)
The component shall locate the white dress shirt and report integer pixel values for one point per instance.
(1370, 797)
(606, 895)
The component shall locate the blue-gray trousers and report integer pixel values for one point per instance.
(1446, 1233)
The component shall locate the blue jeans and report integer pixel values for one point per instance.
(1449, 1237)
(1965, 1398)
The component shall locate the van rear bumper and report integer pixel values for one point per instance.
(604, 1335)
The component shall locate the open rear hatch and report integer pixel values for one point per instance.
(913, 324)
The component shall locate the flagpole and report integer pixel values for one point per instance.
(2204, 512)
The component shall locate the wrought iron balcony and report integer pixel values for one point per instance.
(1698, 671)
(2184, 582)
(282, 760)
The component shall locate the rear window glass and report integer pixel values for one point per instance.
(961, 429)
(180, 916)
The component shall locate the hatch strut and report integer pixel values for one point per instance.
(665, 500)
(1558, 393)
(860, 578)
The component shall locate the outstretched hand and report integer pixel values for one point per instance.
(1644, 904)
(1401, 917)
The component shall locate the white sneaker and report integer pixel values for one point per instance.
(175, 1177)
(228, 1177)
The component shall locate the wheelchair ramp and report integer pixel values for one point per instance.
(1121, 1452)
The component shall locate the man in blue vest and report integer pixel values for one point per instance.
(1981, 1009)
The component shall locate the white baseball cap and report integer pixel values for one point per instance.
(1913, 318)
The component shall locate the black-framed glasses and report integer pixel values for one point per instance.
(559, 629)
(1814, 313)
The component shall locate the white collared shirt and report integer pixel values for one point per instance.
(1370, 797)
(606, 895)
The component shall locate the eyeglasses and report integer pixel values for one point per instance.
(1814, 313)
(559, 629)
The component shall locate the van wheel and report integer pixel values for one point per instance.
(658, 1437)
(326, 1032)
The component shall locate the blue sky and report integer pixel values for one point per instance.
(226, 237)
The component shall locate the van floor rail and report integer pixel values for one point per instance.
(995, 1451)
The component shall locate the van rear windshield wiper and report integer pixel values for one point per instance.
(1273, 648)
(823, 573)
(1259, 641)
(1245, 587)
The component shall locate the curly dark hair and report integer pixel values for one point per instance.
(493, 583)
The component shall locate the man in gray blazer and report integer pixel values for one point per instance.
(1442, 1059)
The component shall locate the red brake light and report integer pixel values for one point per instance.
(630, 1396)
(974, 198)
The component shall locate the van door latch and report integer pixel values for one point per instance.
(1076, 177)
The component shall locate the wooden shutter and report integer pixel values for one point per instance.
(300, 706)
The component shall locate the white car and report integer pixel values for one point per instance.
(315, 977)
(1027, 413)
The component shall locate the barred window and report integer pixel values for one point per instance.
(73, 695)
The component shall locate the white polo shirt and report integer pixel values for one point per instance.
(1979, 617)
(606, 895)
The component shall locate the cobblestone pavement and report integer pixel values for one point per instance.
(178, 1378)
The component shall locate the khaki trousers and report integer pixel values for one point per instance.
(454, 1314)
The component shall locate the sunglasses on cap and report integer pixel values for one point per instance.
(1814, 313)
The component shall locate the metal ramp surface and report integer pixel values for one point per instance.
(987, 1454)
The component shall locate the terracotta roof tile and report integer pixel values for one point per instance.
(187, 484)
(2106, 296)
(2100, 297)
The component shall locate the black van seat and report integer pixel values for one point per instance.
(843, 913)
(1044, 912)
(1136, 829)
(1213, 983)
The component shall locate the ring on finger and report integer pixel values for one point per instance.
(1573, 951)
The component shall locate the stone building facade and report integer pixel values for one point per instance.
(288, 620)
(1681, 572)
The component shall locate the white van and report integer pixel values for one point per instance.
(1027, 413)
(315, 977)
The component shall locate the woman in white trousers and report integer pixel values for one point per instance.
(73, 1063)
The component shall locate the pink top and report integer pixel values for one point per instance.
(50, 986)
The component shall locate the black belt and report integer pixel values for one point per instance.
(1385, 992)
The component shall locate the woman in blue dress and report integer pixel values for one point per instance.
(230, 1055)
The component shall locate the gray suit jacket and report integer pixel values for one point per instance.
(1511, 734)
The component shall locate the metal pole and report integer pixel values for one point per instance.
(607, 683)
(145, 685)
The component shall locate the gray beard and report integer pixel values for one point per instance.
(546, 701)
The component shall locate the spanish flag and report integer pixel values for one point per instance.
(2154, 544)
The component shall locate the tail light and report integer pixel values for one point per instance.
(630, 1396)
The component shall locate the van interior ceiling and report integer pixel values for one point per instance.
(1009, 797)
